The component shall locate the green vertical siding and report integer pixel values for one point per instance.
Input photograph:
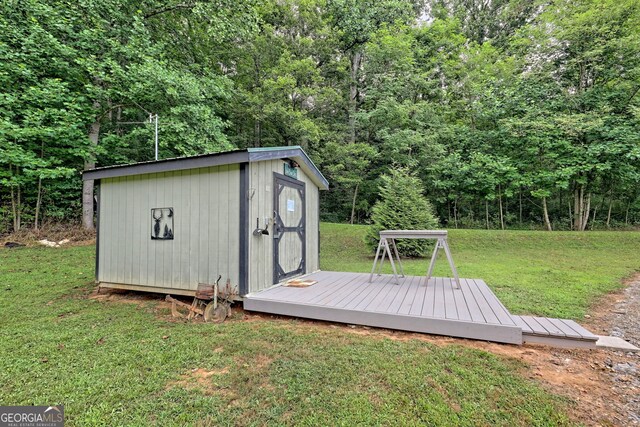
(206, 204)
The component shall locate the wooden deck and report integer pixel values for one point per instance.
(434, 306)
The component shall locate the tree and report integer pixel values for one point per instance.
(89, 67)
(346, 166)
(402, 206)
(584, 54)
(355, 21)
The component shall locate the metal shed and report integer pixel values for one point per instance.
(251, 216)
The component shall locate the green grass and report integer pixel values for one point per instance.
(112, 363)
(559, 274)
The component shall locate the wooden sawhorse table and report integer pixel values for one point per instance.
(387, 241)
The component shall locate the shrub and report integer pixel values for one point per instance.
(402, 206)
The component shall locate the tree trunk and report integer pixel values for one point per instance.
(455, 212)
(38, 202)
(570, 215)
(353, 203)
(356, 61)
(500, 208)
(577, 208)
(581, 208)
(87, 186)
(520, 207)
(486, 211)
(545, 215)
(257, 133)
(626, 215)
(609, 212)
(15, 204)
(39, 196)
(585, 213)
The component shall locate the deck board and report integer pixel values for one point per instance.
(429, 303)
(372, 296)
(418, 302)
(400, 295)
(550, 327)
(558, 323)
(409, 298)
(438, 306)
(470, 299)
(381, 301)
(485, 308)
(323, 293)
(450, 307)
(579, 329)
(498, 309)
(461, 305)
(521, 323)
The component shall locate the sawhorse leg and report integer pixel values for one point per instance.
(393, 264)
(395, 250)
(375, 261)
(445, 246)
(434, 256)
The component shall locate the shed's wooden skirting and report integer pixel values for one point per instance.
(416, 305)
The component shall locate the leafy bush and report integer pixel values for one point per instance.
(402, 206)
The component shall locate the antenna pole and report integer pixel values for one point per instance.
(156, 122)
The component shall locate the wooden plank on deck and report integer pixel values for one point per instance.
(487, 311)
(450, 308)
(498, 308)
(419, 301)
(470, 299)
(519, 322)
(407, 303)
(357, 298)
(585, 334)
(550, 327)
(536, 327)
(326, 291)
(429, 302)
(558, 323)
(394, 306)
(461, 305)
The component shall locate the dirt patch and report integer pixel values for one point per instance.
(202, 380)
(129, 297)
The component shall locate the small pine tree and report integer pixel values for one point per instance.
(402, 206)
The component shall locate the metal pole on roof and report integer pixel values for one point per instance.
(156, 136)
(154, 118)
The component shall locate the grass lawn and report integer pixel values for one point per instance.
(557, 274)
(112, 363)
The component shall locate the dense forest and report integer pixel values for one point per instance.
(511, 113)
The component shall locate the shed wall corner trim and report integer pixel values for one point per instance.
(244, 230)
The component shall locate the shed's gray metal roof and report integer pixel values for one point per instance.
(248, 155)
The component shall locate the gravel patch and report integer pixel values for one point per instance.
(624, 367)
